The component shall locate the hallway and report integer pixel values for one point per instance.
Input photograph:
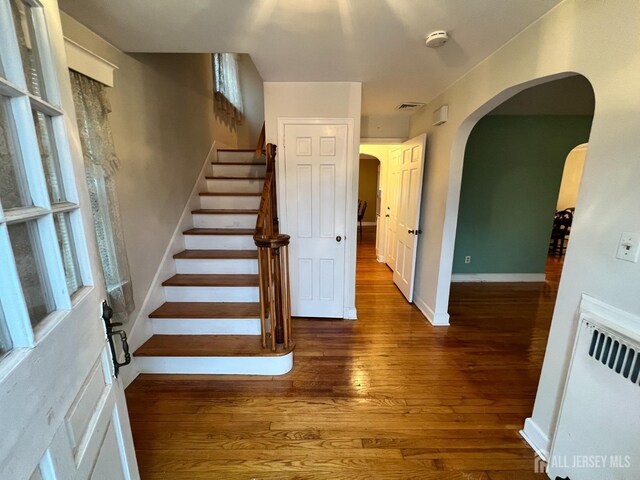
(387, 396)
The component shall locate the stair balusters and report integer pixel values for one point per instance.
(273, 265)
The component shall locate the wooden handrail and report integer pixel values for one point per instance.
(260, 146)
(273, 264)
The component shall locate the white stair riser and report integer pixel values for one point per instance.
(219, 242)
(221, 266)
(242, 220)
(211, 294)
(225, 170)
(206, 326)
(268, 365)
(230, 202)
(221, 186)
(236, 157)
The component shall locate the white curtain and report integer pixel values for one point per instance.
(101, 164)
(227, 94)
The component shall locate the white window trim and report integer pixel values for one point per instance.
(84, 61)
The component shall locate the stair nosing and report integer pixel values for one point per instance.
(203, 256)
(253, 164)
(223, 211)
(220, 231)
(250, 280)
(230, 194)
(218, 177)
(204, 315)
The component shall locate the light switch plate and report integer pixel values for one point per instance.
(629, 247)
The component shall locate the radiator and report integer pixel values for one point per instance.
(597, 434)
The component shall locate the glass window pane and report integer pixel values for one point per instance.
(5, 339)
(23, 22)
(44, 131)
(14, 192)
(25, 243)
(67, 248)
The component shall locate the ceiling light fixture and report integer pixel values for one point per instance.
(436, 39)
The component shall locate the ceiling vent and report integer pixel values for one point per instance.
(409, 106)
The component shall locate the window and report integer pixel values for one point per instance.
(227, 93)
(40, 219)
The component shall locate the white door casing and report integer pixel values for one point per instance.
(63, 413)
(409, 194)
(315, 184)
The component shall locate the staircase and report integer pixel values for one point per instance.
(211, 320)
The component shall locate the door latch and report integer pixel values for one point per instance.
(107, 315)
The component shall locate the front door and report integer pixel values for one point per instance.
(409, 184)
(315, 161)
(63, 413)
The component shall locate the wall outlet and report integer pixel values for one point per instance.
(629, 247)
(467, 259)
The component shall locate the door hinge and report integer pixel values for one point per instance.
(107, 315)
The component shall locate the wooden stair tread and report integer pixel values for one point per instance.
(222, 177)
(219, 231)
(211, 280)
(236, 149)
(207, 310)
(217, 254)
(207, 346)
(230, 194)
(215, 211)
(252, 164)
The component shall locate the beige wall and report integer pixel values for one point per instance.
(561, 41)
(386, 126)
(253, 103)
(571, 177)
(162, 128)
(368, 186)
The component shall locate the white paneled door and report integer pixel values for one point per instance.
(407, 175)
(62, 412)
(315, 162)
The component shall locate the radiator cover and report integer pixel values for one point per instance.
(597, 434)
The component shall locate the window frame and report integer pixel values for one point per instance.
(20, 106)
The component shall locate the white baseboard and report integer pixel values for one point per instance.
(350, 313)
(536, 438)
(436, 319)
(142, 329)
(498, 277)
(380, 258)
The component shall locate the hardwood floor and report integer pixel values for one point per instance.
(384, 397)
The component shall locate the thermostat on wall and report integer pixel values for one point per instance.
(441, 115)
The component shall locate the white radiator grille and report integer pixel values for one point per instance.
(617, 355)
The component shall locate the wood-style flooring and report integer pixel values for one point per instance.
(385, 397)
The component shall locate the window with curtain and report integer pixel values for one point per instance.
(101, 164)
(227, 94)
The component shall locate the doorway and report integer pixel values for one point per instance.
(513, 213)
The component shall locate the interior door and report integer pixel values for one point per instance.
(63, 414)
(391, 209)
(409, 194)
(315, 159)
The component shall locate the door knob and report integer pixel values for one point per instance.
(409, 231)
(338, 238)
(387, 215)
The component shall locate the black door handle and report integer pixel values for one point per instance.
(107, 315)
(338, 238)
(410, 231)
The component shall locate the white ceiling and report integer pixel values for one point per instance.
(377, 42)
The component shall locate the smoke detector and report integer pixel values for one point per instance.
(409, 106)
(436, 39)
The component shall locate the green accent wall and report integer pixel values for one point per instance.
(510, 183)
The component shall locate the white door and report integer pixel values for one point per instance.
(409, 186)
(315, 162)
(62, 413)
(391, 209)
